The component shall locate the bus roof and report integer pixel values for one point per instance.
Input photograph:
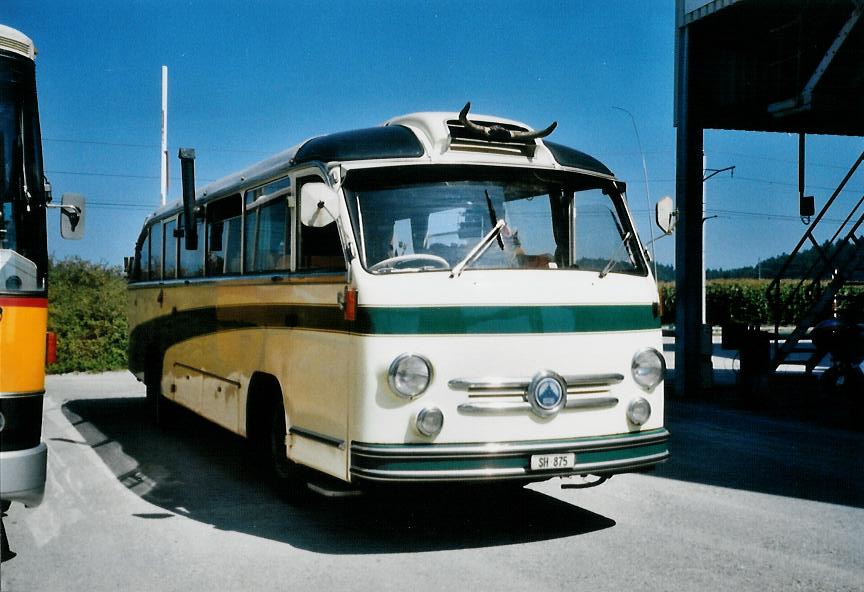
(434, 137)
(17, 42)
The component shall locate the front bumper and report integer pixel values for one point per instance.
(606, 455)
(22, 475)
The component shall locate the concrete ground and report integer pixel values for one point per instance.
(751, 500)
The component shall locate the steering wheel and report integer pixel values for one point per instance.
(408, 261)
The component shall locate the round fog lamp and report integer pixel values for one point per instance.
(648, 368)
(430, 420)
(409, 375)
(638, 411)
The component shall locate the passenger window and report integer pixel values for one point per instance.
(273, 238)
(170, 250)
(156, 251)
(249, 234)
(224, 236)
(269, 220)
(142, 259)
(192, 261)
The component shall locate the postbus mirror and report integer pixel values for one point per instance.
(318, 204)
(72, 216)
(667, 215)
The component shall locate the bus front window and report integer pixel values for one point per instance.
(23, 250)
(432, 222)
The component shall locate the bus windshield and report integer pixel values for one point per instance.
(23, 251)
(428, 220)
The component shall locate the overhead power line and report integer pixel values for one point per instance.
(114, 175)
(148, 146)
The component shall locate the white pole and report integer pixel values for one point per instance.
(704, 201)
(164, 164)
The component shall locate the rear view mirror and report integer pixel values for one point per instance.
(667, 215)
(318, 204)
(72, 216)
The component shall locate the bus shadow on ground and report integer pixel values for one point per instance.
(200, 471)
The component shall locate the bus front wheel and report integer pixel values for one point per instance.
(287, 474)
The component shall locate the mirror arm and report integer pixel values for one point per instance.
(71, 212)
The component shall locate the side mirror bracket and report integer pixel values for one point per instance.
(666, 215)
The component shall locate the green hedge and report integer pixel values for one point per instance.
(745, 301)
(87, 311)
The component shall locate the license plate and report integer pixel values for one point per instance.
(549, 462)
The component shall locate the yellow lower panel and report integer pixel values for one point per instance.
(22, 346)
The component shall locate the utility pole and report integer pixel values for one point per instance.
(707, 174)
(707, 344)
(164, 156)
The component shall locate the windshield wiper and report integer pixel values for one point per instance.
(614, 260)
(493, 217)
(478, 250)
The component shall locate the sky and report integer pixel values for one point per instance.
(249, 79)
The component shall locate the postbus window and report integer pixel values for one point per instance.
(272, 238)
(268, 227)
(156, 251)
(224, 235)
(170, 249)
(191, 261)
(142, 259)
(320, 246)
(264, 191)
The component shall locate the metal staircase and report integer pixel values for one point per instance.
(840, 262)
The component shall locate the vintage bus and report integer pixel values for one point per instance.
(442, 298)
(24, 197)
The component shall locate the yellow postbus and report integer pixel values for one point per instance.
(24, 197)
(442, 298)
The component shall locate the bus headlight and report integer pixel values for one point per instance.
(648, 368)
(409, 375)
(638, 411)
(429, 421)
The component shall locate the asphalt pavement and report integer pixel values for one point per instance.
(747, 502)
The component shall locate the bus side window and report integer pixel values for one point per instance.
(170, 249)
(141, 271)
(320, 247)
(224, 236)
(269, 220)
(273, 239)
(156, 251)
(191, 261)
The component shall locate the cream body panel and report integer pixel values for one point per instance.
(212, 373)
(380, 416)
(502, 287)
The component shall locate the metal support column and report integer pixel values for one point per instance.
(688, 239)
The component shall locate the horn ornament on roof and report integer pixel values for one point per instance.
(497, 133)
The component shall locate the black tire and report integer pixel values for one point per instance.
(159, 409)
(288, 476)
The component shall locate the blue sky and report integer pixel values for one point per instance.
(248, 79)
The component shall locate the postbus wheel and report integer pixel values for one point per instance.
(287, 475)
(159, 408)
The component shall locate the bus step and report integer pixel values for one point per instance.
(333, 489)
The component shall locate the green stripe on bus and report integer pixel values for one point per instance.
(152, 338)
(478, 320)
